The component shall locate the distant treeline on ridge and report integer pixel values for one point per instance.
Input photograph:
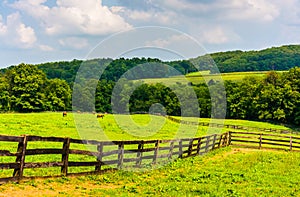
(276, 97)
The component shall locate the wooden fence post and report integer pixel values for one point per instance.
(190, 147)
(260, 141)
(155, 152)
(140, 154)
(291, 143)
(207, 143)
(99, 157)
(220, 141)
(65, 156)
(21, 158)
(228, 138)
(214, 142)
(120, 155)
(199, 146)
(180, 152)
(171, 150)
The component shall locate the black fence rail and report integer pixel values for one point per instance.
(235, 127)
(264, 141)
(112, 154)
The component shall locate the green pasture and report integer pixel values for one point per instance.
(204, 76)
(111, 127)
(115, 127)
(224, 172)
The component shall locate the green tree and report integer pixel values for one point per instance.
(58, 95)
(26, 84)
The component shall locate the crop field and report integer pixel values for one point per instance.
(225, 172)
(201, 77)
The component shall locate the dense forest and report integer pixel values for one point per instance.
(48, 86)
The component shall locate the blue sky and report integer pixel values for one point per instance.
(36, 31)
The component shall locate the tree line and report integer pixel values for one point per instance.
(275, 97)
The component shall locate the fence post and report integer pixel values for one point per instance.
(190, 147)
(260, 140)
(21, 158)
(155, 152)
(180, 152)
(214, 142)
(120, 154)
(65, 156)
(228, 138)
(291, 143)
(140, 154)
(207, 143)
(171, 150)
(220, 141)
(199, 146)
(99, 157)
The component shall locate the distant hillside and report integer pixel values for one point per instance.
(275, 58)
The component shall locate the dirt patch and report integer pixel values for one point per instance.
(37, 188)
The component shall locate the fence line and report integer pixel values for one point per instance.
(121, 154)
(230, 126)
(264, 140)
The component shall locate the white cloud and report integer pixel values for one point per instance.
(215, 35)
(16, 33)
(74, 17)
(74, 42)
(261, 10)
(45, 48)
(160, 17)
(164, 42)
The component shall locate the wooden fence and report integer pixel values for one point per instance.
(114, 154)
(235, 127)
(264, 140)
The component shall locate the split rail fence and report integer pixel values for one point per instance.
(264, 140)
(110, 154)
(230, 126)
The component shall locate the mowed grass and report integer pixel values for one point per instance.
(223, 172)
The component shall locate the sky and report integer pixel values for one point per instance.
(37, 31)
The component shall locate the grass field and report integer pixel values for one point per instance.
(224, 172)
(116, 127)
(201, 77)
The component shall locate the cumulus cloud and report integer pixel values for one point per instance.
(164, 42)
(45, 48)
(15, 32)
(74, 17)
(160, 17)
(263, 10)
(74, 42)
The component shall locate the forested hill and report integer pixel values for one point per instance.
(275, 58)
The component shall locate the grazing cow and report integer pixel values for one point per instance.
(64, 113)
(100, 116)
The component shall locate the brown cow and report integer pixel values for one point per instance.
(64, 113)
(100, 116)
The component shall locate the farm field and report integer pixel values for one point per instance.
(202, 76)
(223, 172)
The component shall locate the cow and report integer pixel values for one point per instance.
(64, 113)
(100, 116)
